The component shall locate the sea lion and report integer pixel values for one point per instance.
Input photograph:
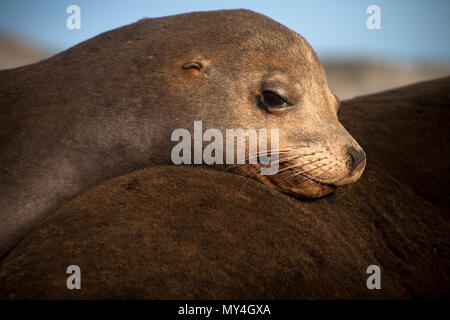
(186, 232)
(108, 106)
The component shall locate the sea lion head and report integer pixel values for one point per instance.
(240, 69)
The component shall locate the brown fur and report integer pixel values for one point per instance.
(108, 106)
(185, 232)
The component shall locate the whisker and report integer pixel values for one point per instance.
(301, 164)
(265, 165)
(283, 160)
(268, 165)
(345, 191)
(311, 178)
(256, 155)
(279, 152)
(304, 171)
(248, 179)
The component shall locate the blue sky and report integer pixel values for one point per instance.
(410, 30)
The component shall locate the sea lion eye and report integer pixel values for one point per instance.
(273, 100)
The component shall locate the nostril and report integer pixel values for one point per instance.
(356, 158)
(351, 161)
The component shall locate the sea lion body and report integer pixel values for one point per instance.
(108, 106)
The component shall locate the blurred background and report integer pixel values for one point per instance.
(411, 45)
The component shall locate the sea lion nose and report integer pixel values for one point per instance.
(357, 159)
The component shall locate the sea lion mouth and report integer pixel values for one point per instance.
(301, 185)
